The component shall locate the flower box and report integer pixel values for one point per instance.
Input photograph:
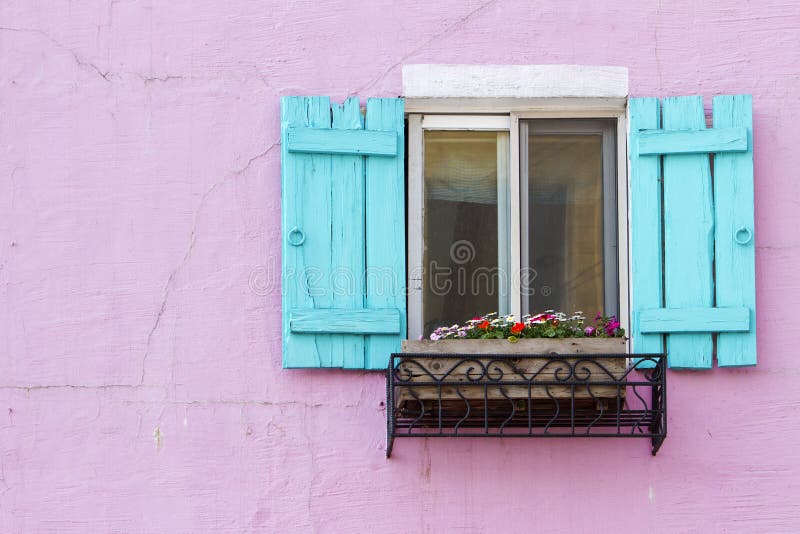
(452, 370)
(533, 387)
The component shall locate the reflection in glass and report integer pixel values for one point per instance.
(565, 221)
(461, 271)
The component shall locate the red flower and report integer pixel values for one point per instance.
(484, 325)
(517, 328)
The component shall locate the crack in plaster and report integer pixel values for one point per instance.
(777, 247)
(78, 60)
(224, 402)
(256, 158)
(455, 25)
(161, 310)
(76, 386)
(187, 255)
(152, 79)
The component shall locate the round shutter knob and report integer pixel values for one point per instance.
(296, 237)
(743, 235)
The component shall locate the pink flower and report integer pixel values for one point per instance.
(612, 327)
(435, 337)
(589, 331)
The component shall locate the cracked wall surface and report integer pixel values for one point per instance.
(140, 380)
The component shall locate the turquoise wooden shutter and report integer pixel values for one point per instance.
(692, 242)
(343, 232)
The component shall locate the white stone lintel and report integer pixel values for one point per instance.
(514, 81)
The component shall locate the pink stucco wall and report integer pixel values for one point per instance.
(140, 380)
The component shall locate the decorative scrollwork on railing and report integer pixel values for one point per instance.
(456, 395)
(513, 410)
(467, 410)
(582, 370)
(556, 411)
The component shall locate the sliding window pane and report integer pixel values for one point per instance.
(566, 239)
(465, 227)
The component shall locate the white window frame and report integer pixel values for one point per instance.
(494, 114)
(520, 92)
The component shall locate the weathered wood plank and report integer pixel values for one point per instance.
(579, 345)
(688, 234)
(645, 225)
(426, 368)
(297, 182)
(734, 235)
(656, 142)
(345, 321)
(665, 320)
(342, 141)
(347, 239)
(317, 185)
(385, 226)
(436, 368)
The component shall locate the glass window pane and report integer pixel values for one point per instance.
(565, 221)
(460, 213)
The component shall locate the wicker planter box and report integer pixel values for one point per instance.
(453, 370)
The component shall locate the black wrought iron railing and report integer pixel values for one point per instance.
(526, 395)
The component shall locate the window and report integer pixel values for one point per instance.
(516, 188)
(511, 213)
